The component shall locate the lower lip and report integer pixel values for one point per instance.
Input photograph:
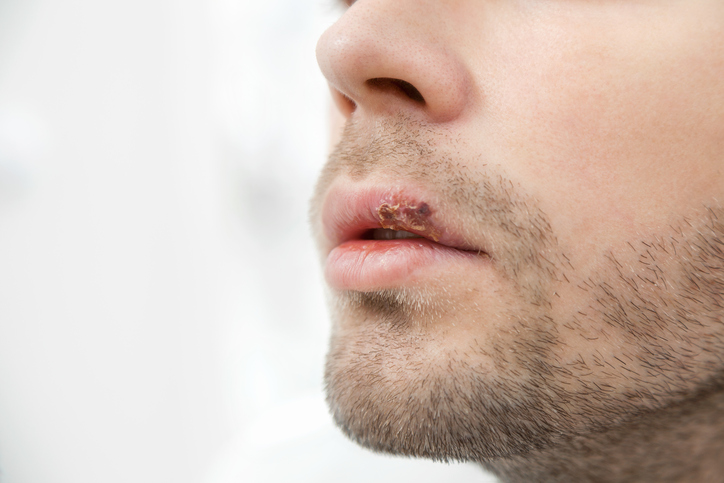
(365, 265)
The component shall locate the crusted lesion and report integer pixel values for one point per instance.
(404, 216)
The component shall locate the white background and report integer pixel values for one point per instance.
(161, 311)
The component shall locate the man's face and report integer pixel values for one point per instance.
(561, 160)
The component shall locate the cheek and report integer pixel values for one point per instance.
(613, 143)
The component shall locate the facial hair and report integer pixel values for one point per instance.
(650, 316)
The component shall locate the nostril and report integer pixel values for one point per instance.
(407, 89)
(349, 103)
(346, 105)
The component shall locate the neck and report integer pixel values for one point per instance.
(679, 444)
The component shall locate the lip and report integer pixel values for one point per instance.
(357, 262)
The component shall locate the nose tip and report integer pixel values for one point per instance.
(378, 61)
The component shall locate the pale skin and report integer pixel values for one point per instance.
(586, 341)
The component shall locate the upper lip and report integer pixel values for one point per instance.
(347, 213)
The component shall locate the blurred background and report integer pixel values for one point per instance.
(162, 316)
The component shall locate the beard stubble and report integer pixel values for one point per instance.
(650, 315)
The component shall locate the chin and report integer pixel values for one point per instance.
(400, 379)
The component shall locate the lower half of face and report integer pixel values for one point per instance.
(506, 353)
(586, 170)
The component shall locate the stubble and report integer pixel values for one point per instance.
(648, 319)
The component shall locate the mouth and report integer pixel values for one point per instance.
(389, 234)
(381, 238)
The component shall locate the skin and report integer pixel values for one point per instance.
(580, 143)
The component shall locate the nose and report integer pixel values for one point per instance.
(389, 56)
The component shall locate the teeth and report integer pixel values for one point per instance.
(386, 234)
